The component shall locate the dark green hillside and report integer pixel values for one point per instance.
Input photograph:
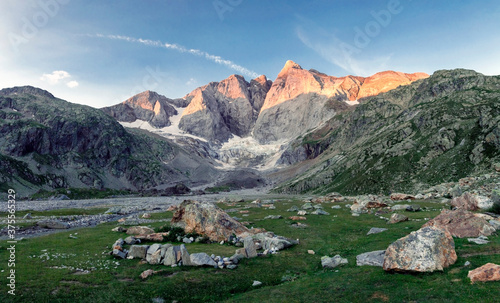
(434, 130)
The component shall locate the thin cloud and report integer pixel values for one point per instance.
(341, 53)
(196, 52)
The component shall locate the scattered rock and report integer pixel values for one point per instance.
(485, 273)
(376, 230)
(274, 217)
(119, 229)
(425, 250)
(479, 240)
(462, 224)
(147, 273)
(373, 258)
(153, 255)
(256, 283)
(336, 207)
(396, 218)
(320, 212)
(400, 197)
(202, 259)
(138, 251)
(154, 237)
(139, 230)
(186, 259)
(297, 218)
(293, 209)
(400, 207)
(311, 252)
(146, 216)
(413, 208)
(327, 262)
(250, 248)
(131, 240)
(302, 213)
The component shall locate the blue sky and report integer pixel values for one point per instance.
(101, 52)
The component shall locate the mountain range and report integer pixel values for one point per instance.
(303, 132)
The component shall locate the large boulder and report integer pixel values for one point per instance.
(207, 219)
(485, 273)
(469, 201)
(138, 251)
(461, 223)
(425, 250)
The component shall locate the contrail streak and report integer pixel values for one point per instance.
(156, 43)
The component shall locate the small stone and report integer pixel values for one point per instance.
(478, 241)
(311, 252)
(376, 230)
(293, 209)
(396, 218)
(373, 258)
(466, 264)
(302, 213)
(336, 207)
(146, 216)
(256, 283)
(147, 273)
(327, 262)
(119, 229)
(320, 212)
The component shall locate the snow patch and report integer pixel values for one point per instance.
(351, 103)
(170, 132)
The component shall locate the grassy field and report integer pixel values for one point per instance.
(49, 268)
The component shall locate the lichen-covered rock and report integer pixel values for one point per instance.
(138, 251)
(461, 223)
(327, 262)
(485, 273)
(207, 219)
(425, 250)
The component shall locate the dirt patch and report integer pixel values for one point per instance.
(482, 253)
(381, 296)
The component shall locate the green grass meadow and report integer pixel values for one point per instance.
(49, 268)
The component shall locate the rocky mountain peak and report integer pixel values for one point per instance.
(146, 106)
(289, 65)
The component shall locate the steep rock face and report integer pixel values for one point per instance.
(220, 109)
(302, 96)
(47, 142)
(397, 140)
(147, 106)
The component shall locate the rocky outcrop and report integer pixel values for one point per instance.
(220, 109)
(425, 250)
(147, 106)
(300, 100)
(207, 219)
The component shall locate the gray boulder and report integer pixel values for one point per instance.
(320, 212)
(327, 262)
(138, 251)
(153, 255)
(201, 259)
(396, 218)
(250, 248)
(372, 258)
(186, 259)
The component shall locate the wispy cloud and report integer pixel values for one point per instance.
(344, 54)
(196, 52)
(191, 81)
(57, 76)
